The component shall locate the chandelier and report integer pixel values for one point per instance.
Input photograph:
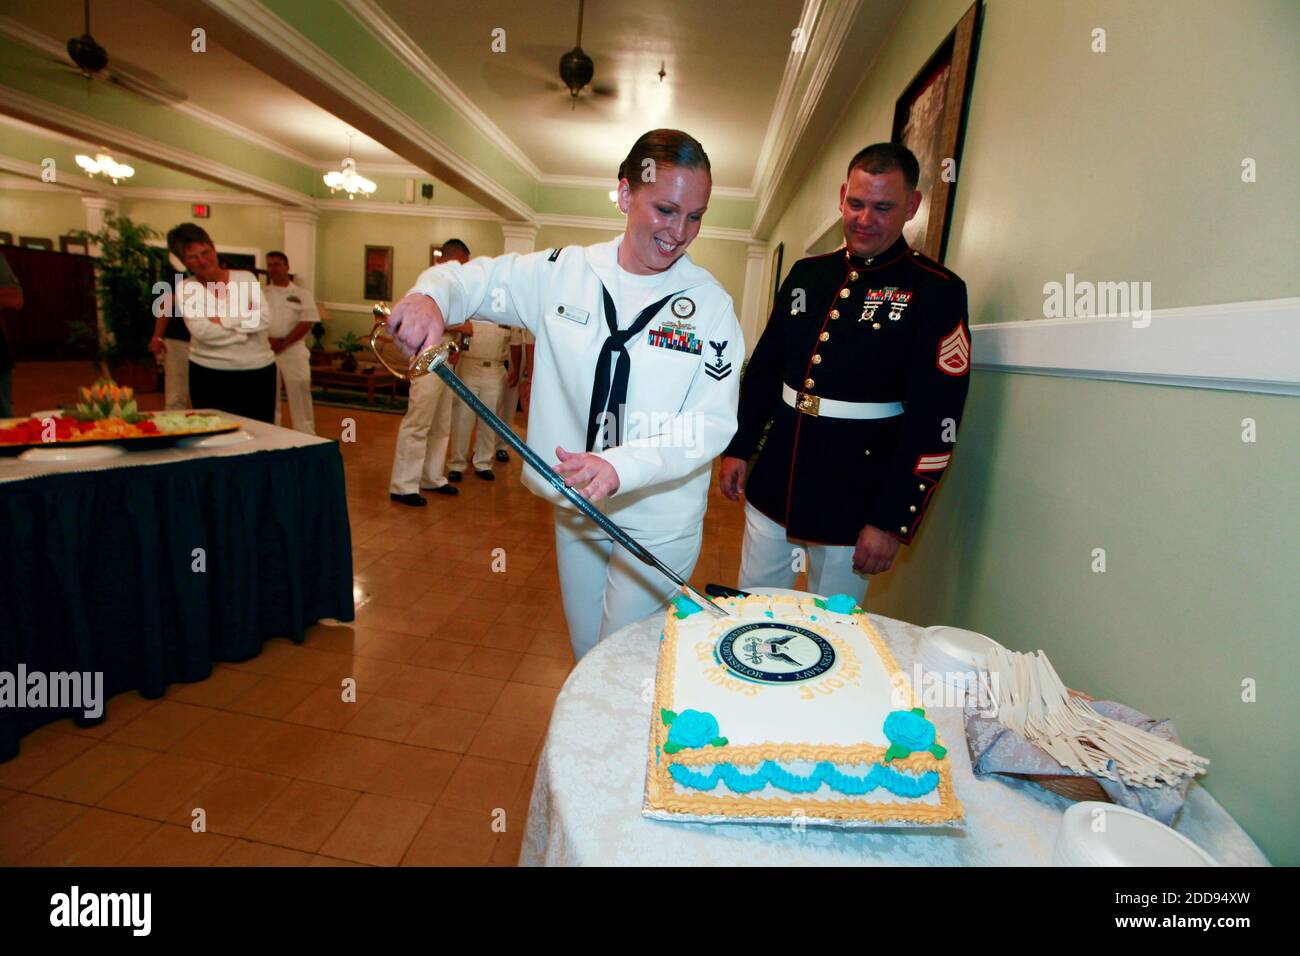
(347, 178)
(104, 165)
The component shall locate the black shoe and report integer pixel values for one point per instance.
(415, 501)
(453, 476)
(486, 474)
(445, 490)
(502, 456)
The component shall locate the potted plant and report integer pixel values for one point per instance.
(124, 276)
(349, 345)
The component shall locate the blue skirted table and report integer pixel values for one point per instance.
(159, 563)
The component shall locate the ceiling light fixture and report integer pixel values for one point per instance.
(104, 165)
(347, 178)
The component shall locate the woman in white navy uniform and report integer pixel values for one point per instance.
(637, 375)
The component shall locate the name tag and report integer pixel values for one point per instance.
(571, 312)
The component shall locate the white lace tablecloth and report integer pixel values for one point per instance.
(586, 802)
(264, 438)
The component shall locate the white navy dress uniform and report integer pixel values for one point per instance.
(510, 393)
(667, 378)
(482, 366)
(291, 304)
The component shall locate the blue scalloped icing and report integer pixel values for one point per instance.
(770, 772)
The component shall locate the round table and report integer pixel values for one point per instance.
(586, 802)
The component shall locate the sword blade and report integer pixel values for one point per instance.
(535, 461)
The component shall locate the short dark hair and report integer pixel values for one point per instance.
(187, 234)
(279, 255)
(885, 158)
(455, 244)
(665, 147)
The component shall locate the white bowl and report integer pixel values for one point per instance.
(72, 455)
(222, 440)
(1101, 834)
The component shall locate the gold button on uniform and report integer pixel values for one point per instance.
(920, 487)
(903, 529)
(912, 509)
(808, 383)
(794, 311)
(817, 360)
(853, 277)
(875, 325)
(867, 452)
(835, 313)
(825, 336)
(844, 293)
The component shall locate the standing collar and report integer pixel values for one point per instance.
(899, 248)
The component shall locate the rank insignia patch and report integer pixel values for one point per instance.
(931, 463)
(719, 368)
(954, 352)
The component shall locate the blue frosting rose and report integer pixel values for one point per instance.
(693, 728)
(841, 604)
(910, 729)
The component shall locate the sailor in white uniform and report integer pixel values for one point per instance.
(420, 456)
(483, 368)
(293, 312)
(638, 364)
(510, 397)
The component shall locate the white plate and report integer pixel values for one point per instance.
(951, 648)
(68, 455)
(1101, 834)
(215, 441)
(47, 413)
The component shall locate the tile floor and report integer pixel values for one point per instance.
(456, 666)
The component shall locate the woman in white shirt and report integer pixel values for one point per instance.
(232, 367)
(637, 375)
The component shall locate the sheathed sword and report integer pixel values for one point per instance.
(434, 362)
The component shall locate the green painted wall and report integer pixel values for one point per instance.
(44, 214)
(341, 238)
(255, 227)
(1122, 165)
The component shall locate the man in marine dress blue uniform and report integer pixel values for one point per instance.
(862, 371)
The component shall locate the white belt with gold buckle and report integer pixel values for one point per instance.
(830, 408)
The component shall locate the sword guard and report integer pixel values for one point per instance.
(422, 365)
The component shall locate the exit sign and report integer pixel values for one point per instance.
(200, 210)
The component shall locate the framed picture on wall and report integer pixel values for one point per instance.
(930, 120)
(36, 242)
(379, 273)
(74, 245)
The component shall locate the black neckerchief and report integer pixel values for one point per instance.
(605, 398)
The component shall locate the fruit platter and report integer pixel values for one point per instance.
(107, 413)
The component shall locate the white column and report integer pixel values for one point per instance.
(300, 244)
(753, 308)
(98, 208)
(520, 237)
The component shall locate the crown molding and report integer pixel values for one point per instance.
(34, 109)
(605, 185)
(836, 27)
(29, 180)
(251, 17)
(386, 30)
(406, 209)
(617, 225)
(772, 139)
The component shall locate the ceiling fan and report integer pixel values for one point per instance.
(91, 61)
(529, 74)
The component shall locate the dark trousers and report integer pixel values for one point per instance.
(250, 392)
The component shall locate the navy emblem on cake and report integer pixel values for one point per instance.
(773, 653)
